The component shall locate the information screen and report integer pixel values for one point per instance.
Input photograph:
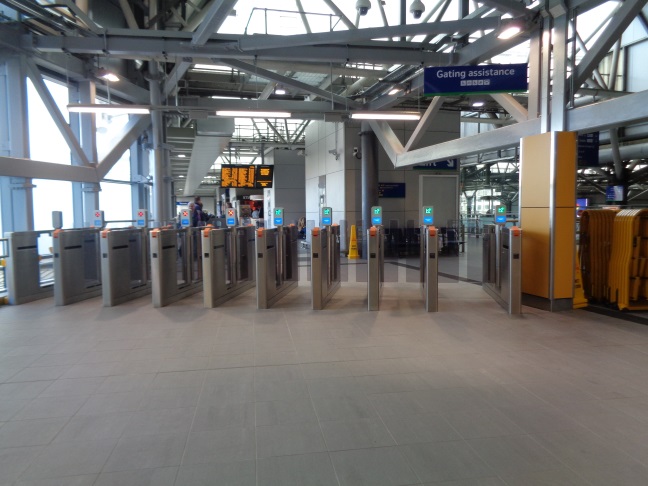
(247, 176)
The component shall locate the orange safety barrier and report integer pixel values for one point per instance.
(627, 269)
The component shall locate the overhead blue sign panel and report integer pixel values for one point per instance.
(450, 164)
(492, 78)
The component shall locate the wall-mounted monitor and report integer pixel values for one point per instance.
(247, 176)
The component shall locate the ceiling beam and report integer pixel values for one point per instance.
(129, 134)
(622, 18)
(272, 76)
(15, 167)
(509, 6)
(512, 106)
(136, 45)
(216, 14)
(425, 122)
(263, 42)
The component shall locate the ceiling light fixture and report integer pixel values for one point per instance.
(510, 32)
(182, 156)
(280, 91)
(107, 75)
(112, 109)
(478, 104)
(373, 115)
(394, 91)
(253, 114)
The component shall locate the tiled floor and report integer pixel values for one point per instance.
(133, 395)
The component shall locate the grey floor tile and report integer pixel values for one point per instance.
(30, 432)
(344, 407)
(414, 429)
(149, 451)
(285, 412)
(403, 403)
(95, 427)
(9, 408)
(164, 476)
(559, 477)
(39, 373)
(314, 371)
(280, 390)
(383, 466)
(301, 470)
(478, 423)
(15, 460)
(179, 379)
(356, 434)
(493, 481)
(23, 391)
(626, 474)
(231, 361)
(241, 473)
(158, 398)
(89, 370)
(82, 480)
(515, 454)
(112, 403)
(450, 399)
(539, 419)
(126, 383)
(391, 383)
(169, 421)
(278, 373)
(336, 386)
(445, 461)
(70, 459)
(50, 407)
(226, 445)
(184, 364)
(226, 393)
(224, 416)
(70, 387)
(289, 439)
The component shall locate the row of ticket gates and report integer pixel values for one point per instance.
(172, 263)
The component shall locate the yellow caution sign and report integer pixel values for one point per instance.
(353, 244)
(580, 300)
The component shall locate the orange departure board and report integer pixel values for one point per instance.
(264, 176)
(249, 176)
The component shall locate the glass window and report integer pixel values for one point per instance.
(51, 196)
(109, 131)
(116, 201)
(46, 143)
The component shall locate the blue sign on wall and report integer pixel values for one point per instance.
(588, 150)
(450, 164)
(493, 78)
(391, 189)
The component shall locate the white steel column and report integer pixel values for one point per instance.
(17, 196)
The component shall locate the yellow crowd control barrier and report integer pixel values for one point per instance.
(627, 270)
(595, 246)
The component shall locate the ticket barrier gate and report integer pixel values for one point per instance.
(375, 266)
(228, 263)
(502, 266)
(176, 271)
(29, 275)
(125, 269)
(430, 268)
(77, 266)
(276, 264)
(325, 264)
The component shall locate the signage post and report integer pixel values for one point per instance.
(376, 215)
(500, 214)
(278, 217)
(427, 215)
(327, 216)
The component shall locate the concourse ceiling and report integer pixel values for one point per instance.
(318, 59)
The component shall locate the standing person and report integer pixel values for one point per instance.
(255, 213)
(196, 213)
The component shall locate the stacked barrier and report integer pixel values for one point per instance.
(596, 227)
(628, 271)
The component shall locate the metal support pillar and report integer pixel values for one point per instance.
(161, 181)
(17, 196)
(430, 268)
(375, 266)
(369, 165)
(325, 264)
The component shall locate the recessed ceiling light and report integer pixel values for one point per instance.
(477, 104)
(182, 156)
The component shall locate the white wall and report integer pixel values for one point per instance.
(288, 188)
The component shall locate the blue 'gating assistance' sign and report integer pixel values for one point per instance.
(492, 78)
